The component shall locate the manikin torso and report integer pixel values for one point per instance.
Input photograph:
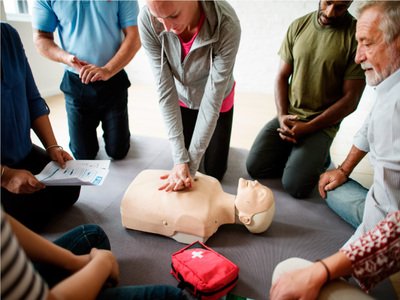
(188, 215)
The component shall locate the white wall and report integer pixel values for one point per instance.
(263, 23)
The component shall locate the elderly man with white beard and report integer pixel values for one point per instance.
(378, 53)
(371, 254)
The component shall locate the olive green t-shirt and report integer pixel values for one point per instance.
(322, 58)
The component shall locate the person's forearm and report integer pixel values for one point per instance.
(39, 249)
(342, 108)
(281, 95)
(86, 283)
(42, 128)
(128, 49)
(282, 87)
(338, 265)
(3, 171)
(306, 283)
(353, 158)
(325, 270)
(334, 114)
(46, 46)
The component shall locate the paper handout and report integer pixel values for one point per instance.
(76, 172)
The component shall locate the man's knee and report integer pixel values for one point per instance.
(96, 236)
(217, 172)
(346, 204)
(84, 151)
(72, 195)
(260, 168)
(117, 153)
(297, 186)
(67, 196)
(253, 168)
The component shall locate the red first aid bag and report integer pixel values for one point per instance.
(203, 272)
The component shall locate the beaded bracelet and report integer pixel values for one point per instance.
(53, 146)
(328, 273)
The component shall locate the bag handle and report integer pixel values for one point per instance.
(194, 244)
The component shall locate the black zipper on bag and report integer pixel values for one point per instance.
(200, 293)
(184, 284)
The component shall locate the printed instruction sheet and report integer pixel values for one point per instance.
(76, 172)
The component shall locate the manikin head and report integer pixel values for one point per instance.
(378, 37)
(255, 205)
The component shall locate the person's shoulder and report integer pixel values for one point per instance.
(5, 27)
(348, 26)
(8, 31)
(144, 16)
(223, 4)
(223, 8)
(148, 23)
(303, 19)
(144, 12)
(352, 21)
(44, 4)
(300, 24)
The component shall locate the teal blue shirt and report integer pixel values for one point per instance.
(90, 30)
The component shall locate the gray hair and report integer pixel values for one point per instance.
(390, 22)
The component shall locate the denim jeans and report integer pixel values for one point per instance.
(140, 292)
(80, 241)
(348, 201)
(89, 104)
(299, 165)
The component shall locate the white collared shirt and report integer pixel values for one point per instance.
(380, 136)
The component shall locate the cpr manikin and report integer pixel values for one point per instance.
(196, 213)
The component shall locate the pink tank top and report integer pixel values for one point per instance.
(227, 104)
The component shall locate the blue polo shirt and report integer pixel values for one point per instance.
(21, 102)
(91, 30)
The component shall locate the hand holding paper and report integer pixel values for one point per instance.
(76, 172)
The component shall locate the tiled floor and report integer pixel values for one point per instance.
(252, 111)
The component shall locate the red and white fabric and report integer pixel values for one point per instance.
(376, 254)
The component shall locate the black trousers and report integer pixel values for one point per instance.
(215, 159)
(35, 210)
(88, 105)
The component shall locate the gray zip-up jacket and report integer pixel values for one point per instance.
(202, 81)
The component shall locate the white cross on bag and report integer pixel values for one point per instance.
(197, 254)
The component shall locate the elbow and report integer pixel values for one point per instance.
(43, 41)
(353, 108)
(350, 108)
(138, 46)
(355, 101)
(39, 43)
(36, 41)
(282, 79)
(134, 47)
